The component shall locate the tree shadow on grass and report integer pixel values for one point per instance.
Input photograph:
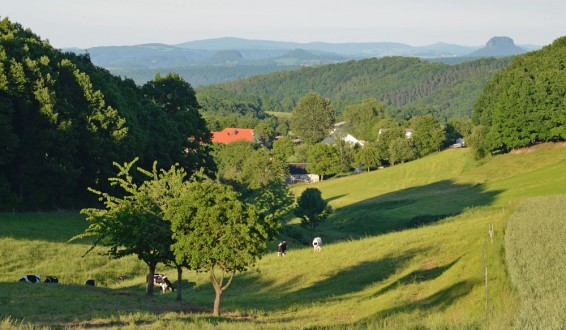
(417, 276)
(407, 208)
(68, 305)
(435, 302)
(334, 286)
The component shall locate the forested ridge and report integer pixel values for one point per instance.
(63, 121)
(525, 103)
(410, 86)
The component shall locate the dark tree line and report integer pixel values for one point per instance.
(63, 121)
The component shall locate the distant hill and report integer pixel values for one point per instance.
(409, 86)
(200, 62)
(498, 47)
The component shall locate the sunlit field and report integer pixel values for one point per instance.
(407, 247)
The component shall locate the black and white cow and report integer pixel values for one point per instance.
(317, 243)
(51, 279)
(31, 279)
(161, 281)
(281, 249)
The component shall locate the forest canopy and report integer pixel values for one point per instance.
(525, 103)
(63, 121)
(407, 86)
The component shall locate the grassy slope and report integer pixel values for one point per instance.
(371, 275)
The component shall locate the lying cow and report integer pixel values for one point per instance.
(162, 281)
(281, 249)
(317, 243)
(31, 279)
(51, 279)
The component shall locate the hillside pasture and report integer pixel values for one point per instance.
(370, 273)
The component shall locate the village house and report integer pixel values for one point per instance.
(229, 135)
(298, 173)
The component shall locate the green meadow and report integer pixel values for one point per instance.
(406, 248)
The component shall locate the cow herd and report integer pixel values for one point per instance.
(159, 280)
(35, 278)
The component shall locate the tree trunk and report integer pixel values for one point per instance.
(179, 283)
(149, 281)
(216, 310)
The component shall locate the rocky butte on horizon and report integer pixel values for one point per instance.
(499, 46)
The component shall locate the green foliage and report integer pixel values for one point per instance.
(133, 224)
(408, 86)
(428, 135)
(312, 208)
(368, 157)
(312, 118)
(401, 149)
(362, 118)
(458, 128)
(524, 103)
(388, 132)
(261, 167)
(273, 201)
(231, 158)
(346, 153)
(64, 121)
(214, 230)
(265, 133)
(323, 159)
(283, 148)
(184, 135)
(535, 255)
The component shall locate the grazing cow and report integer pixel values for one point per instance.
(162, 281)
(281, 249)
(51, 279)
(123, 278)
(317, 243)
(89, 282)
(31, 279)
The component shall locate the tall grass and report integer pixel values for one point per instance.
(536, 253)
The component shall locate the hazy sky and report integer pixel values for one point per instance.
(90, 23)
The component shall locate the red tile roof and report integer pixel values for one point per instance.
(230, 134)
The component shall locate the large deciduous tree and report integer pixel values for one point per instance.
(362, 117)
(312, 208)
(312, 118)
(132, 224)
(428, 134)
(323, 159)
(368, 157)
(401, 150)
(214, 231)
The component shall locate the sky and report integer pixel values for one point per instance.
(91, 23)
